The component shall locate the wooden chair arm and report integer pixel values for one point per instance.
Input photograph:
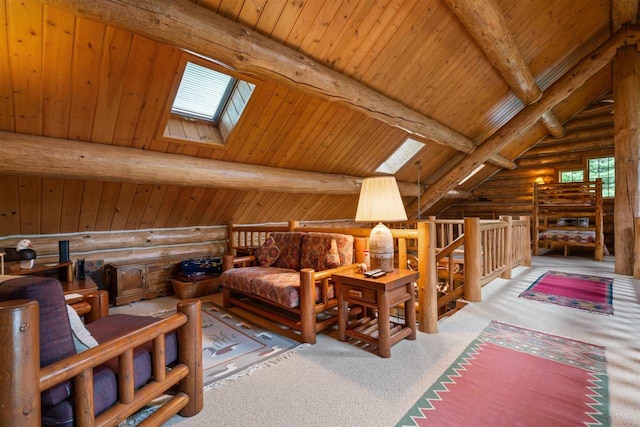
(229, 261)
(326, 274)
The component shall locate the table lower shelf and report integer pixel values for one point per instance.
(366, 329)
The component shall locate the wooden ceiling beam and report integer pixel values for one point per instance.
(622, 12)
(186, 25)
(484, 20)
(23, 154)
(559, 91)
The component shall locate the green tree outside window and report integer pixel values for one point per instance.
(604, 167)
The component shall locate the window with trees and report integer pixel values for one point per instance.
(572, 176)
(603, 167)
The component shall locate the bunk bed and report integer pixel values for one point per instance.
(568, 215)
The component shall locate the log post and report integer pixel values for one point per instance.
(19, 363)
(636, 265)
(402, 253)
(626, 126)
(293, 225)
(428, 280)
(190, 354)
(536, 219)
(99, 302)
(526, 241)
(508, 247)
(472, 260)
(599, 249)
(307, 305)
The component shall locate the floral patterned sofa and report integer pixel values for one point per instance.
(288, 279)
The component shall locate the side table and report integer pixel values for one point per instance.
(380, 295)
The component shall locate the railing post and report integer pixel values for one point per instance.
(428, 281)
(402, 253)
(19, 363)
(472, 260)
(636, 262)
(526, 241)
(190, 354)
(508, 247)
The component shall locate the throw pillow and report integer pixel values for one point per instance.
(332, 259)
(268, 253)
(82, 338)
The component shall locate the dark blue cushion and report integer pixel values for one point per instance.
(105, 391)
(119, 324)
(56, 341)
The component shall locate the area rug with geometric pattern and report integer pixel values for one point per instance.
(515, 376)
(581, 291)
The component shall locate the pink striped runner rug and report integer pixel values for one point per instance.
(581, 291)
(512, 376)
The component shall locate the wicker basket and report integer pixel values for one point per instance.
(185, 290)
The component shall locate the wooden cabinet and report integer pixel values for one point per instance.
(136, 280)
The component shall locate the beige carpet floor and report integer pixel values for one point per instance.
(337, 384)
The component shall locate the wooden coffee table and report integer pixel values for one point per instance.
(377, 295)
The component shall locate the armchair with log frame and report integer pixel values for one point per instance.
(44, 381)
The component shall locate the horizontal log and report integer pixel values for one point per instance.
(567, 157)
(22, 154)
(189, 251)
(524, 172)
(596, 110)
(580, 135)
(87, 242)
(587, 145)
(511, 191)
(590, 122)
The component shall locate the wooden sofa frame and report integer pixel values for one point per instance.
(23, 380)
(303, 318)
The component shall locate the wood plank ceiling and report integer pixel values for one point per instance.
(71, 78)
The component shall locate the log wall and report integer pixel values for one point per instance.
(101, 248)
(589, 134)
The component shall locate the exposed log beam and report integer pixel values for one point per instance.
(623, 11)
(23, 154)
(186, 25)
(560, 90)
(484, 20)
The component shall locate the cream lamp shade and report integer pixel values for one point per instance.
(380, 200)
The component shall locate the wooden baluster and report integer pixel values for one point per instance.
(126, 390)
(508, 246)
(472, 255)
(159, 363)
(84, 397)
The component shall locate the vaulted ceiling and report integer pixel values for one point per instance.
(77, 79)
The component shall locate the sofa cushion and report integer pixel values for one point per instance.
(116, 325)
(105, 392)
(267, 253)
(316, 247)
(332, 259)
(290, 244)
(55, 330)
(279, 285)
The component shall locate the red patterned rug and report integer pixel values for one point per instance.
(514, 376)
(588, 293)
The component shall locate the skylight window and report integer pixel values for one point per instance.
(202, 93)
(401, 156)
(473, 172)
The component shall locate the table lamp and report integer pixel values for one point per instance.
(380, 200)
